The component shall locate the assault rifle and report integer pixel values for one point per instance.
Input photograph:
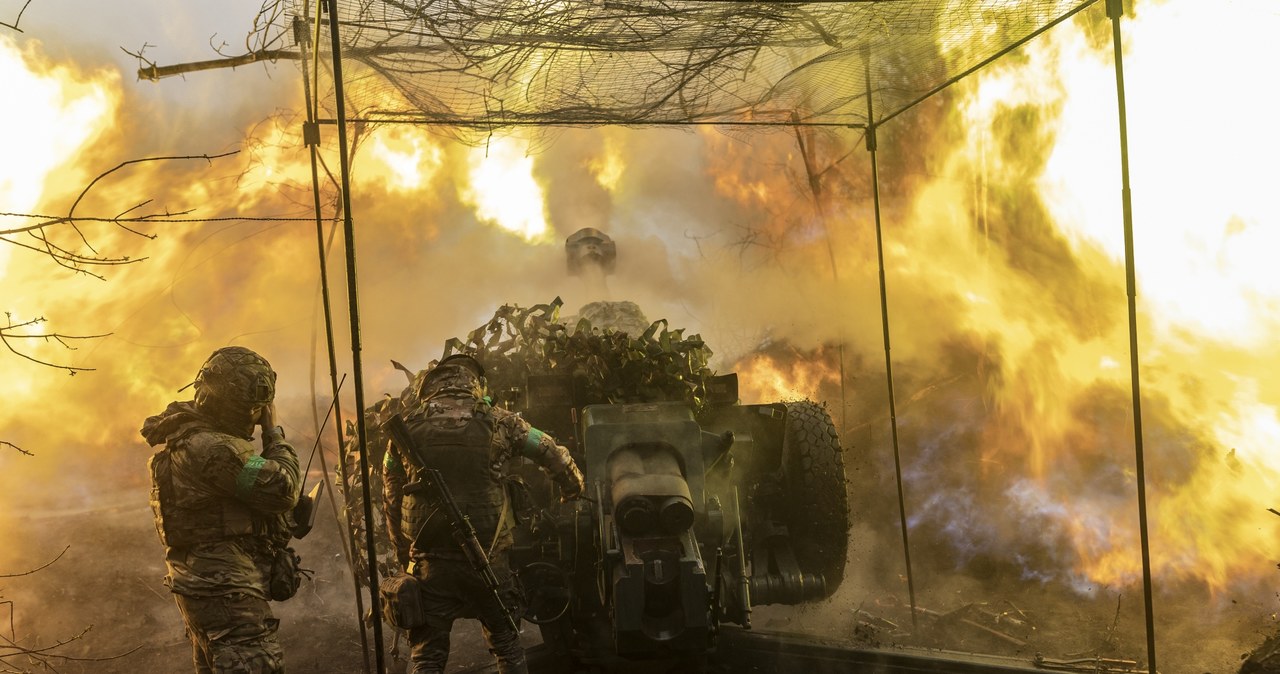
(459, 524)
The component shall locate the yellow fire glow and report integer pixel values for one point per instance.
(503, 190)
(765, 379)
(1207, 230)
(608, 167)
(411, 160)
(1015, 241)
(50, 114)
(1202, 227)
(1209, 297)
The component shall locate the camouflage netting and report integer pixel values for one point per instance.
(479, 64)
(613, 366)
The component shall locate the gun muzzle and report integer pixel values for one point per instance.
(649, 491)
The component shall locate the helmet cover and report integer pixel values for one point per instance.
(231, 383)
(459, 371)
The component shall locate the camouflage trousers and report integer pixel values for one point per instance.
(232, 634)
(452, 590)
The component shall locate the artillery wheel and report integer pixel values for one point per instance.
(546, 592)
(816, 495)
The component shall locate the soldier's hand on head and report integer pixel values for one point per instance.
(267, 418)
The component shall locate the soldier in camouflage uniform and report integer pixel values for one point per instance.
(223, 510)
(469, 442)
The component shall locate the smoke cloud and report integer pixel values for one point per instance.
(1005, 291)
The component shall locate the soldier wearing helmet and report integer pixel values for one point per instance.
(222, 510)
(460, 434)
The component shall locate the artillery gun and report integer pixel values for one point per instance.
(697, 508)
(693, 518)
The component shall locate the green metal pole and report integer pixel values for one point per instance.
(1115, 10)
(353, 301)
(311, 137)
(884, 321)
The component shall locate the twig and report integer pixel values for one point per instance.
(150, 589)
(45, 651)
(77, 261)
(206, 157)
(1115, 622)
(45, 566)
(18, 20)
(13, 634)
(20, 450)
(7, 333)
(99, 659)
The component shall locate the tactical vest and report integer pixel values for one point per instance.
(453, 435)
(186, 513)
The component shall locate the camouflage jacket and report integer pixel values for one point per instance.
(221, 508)
(512, 437)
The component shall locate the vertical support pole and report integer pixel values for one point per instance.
(311, 137)
(353, 301)
(815, 188)
(744, 579)
(884, 320)
(1115, 10)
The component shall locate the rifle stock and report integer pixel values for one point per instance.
(464, 534)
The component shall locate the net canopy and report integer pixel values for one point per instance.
(494, 63)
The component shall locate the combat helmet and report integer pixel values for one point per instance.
(460, 372)
(231, 385)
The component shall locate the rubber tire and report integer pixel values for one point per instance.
(817, 491)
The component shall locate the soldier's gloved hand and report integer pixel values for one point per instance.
(571, 483)
(267, 416)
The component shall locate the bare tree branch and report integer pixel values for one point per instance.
(18, 19)
(38, 568)
(80, 262)
(39, 657)
(208, 158)
(12, 332)
(46, 650)
(20, 450)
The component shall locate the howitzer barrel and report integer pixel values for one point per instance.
(647, 459)
(649, 491)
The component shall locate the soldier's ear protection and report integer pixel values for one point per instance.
(263, 390)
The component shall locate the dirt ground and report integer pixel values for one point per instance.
(105, 599)
(109, 583)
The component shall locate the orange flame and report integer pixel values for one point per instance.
(504, 191)
(768, 378)
(1006, 236)
(1013, 241)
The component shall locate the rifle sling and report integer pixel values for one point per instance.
(502, 520)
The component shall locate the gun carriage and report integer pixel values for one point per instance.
(693, 518)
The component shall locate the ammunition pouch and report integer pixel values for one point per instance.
(285, 576)
(402, 603)
(519, 499)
